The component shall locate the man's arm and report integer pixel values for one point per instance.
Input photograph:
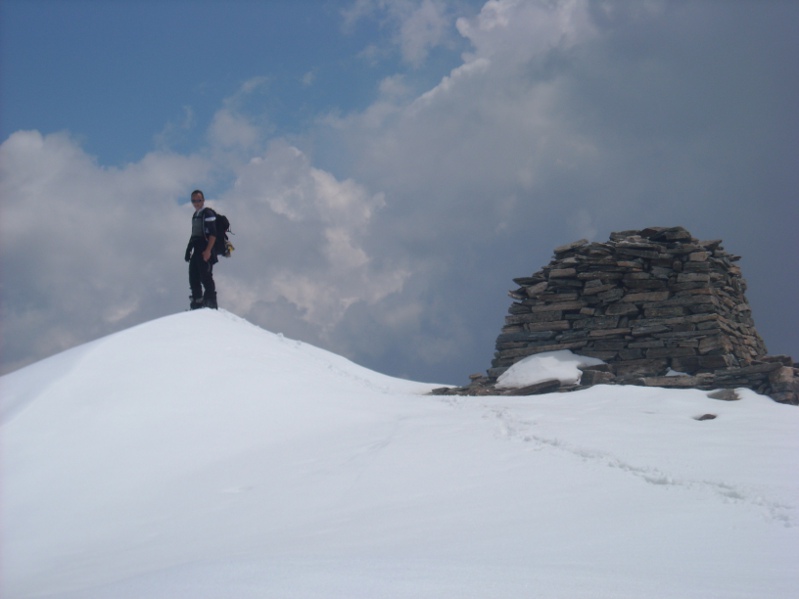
(209, 247)
(209, 217)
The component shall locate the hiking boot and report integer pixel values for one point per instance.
(196, 303)
(209, 302)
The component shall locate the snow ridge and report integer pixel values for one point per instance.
(300, 474)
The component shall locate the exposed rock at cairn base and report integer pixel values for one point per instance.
(648, 303)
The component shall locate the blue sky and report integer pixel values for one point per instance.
(116, 73)
(389, 166)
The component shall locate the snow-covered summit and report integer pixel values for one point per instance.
(150, 464)
(194, 355)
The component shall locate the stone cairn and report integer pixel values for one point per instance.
(648, 303)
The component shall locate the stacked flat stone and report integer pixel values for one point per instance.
(649, 303)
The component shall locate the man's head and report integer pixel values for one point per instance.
(197, 199)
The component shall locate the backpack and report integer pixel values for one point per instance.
(222, 245)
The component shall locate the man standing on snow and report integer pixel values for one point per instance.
(200, 253)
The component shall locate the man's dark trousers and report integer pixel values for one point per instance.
(201, 277)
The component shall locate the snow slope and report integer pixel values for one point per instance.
(131, 469)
